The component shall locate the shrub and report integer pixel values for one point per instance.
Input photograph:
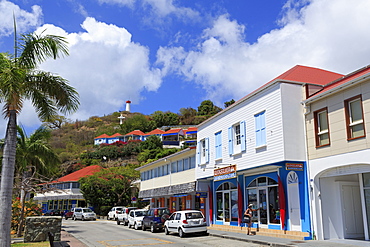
(30, 209)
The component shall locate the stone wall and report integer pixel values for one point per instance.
(37, 228)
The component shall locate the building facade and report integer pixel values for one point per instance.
(253, 152)
(170, 182)
(337, 124)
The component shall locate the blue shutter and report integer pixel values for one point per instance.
(218, 145)
(263, 128)
(198, 154)
(230, 137)
(207, 150)
(242, 136)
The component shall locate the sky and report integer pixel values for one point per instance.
(164, 55)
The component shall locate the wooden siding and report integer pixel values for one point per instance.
(337, 123)
(279, 101)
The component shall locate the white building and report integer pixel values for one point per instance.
(244, 149)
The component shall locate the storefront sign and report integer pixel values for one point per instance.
(201, 194)
(225, 173)
(294, 166)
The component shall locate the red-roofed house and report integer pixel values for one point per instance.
(156, 132)
(66, 193)
(134, 135)
(254, 152)
(337, 128)
(101, 139)
(172, 137)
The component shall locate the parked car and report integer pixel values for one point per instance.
(155, 218)
(122, 216)
(112, 214)
(135, 218)
(69, 214)
(185, 222)
(83, 214)
(53, 212)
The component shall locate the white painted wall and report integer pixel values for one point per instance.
(284, 120)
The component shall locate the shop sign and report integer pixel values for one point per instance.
(225, 173)
(201, 194)
(294, 166)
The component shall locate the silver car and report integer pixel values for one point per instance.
(83, 214)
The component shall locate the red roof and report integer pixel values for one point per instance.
(190, 129)
(136, 132)
(310, 75)
(172, 131)
(102, 136)
(344, 79)
(155, 132)
(75, 176)
(115, 135)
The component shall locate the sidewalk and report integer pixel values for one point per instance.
(70, 240)
(282, 242)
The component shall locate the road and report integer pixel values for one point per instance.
(104, 233)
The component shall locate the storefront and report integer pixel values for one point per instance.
(277, 190)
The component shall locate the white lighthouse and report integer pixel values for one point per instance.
(128, 106)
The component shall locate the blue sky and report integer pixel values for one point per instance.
(168, 54)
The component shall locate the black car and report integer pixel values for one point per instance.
(53, 212)
(155, 219)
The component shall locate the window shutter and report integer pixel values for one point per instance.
(230, 137)
(263, 129)
(207, 150)
(242, 136)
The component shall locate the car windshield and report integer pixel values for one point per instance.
(163, 211)
(193, 215)
(140, 213)
(87, 210)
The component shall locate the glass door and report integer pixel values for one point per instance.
(262, 204)
(227, 206)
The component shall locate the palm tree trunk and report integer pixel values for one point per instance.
(7, 179)
(21, 218)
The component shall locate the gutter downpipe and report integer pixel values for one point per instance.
(310, 194)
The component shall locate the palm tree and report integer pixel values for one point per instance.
(21, 80)
(33, 156)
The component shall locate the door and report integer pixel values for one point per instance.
(262, 204)
(293, 202)
(227, 207)
(352, 212)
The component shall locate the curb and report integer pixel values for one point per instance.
(250, 240)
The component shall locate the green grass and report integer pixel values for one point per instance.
(38, 244)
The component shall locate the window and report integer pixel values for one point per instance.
(192, 162)
(180, 166)
(321, 127)
(218, 145)
(203, 151)
(260, 129)
(354, 118)
(186, 164)
(174, 167)
(237, 138)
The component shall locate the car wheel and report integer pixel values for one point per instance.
(143, 227)
(74, 218)
(118, 222)
(136, 227)
(66, 217)
(129, 225)
(166, 230)
(82, 218)
(152, 228)
(181, 233)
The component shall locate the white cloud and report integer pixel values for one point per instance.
(25, 20)
(105, 66)
(325, 34)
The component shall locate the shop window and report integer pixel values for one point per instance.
(262, 192)
(227, 202)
